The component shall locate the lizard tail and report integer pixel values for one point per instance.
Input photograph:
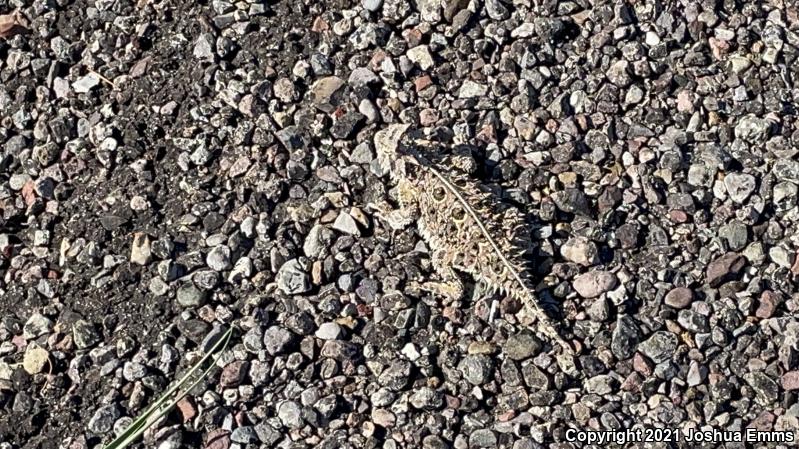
(545, 324)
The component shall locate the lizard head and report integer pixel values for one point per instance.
(388, 146)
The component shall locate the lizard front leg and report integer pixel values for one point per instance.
(450, 285)
(398, 218)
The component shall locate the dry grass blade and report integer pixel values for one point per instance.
(167, 401)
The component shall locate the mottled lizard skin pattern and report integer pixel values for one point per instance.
(466, 228)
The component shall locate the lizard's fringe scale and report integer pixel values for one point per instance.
(499, 259)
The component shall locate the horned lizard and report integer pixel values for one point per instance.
(465, 230)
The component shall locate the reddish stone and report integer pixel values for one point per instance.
(790, 380)
(187, 409)
(6, 250)
(428, 117)
(377, 59)
(363, 310)
(632, 383)
(319, 25)
(413, 36)
(78, 443)
(552, 126)
(678, 216)
(422, 83)
(676, 397)
(233, 374)
(217, 439)
(207, 313)
(792, 14)
(453, 314)
(642, 365)
(240, 418)
(634, 146)
(718, 47)
(510, 305)
(725, 269)
(583, 122)
(764, 421)
(62, 344)
(507, 416)
(769, 301)
(487, 134)
(452, 402)
(20, 342)
(28, 193)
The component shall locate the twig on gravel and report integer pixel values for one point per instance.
(102, 78)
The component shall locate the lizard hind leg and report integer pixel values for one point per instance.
(398, 218)
(449, 286)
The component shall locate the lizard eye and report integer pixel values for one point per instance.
(439, 193)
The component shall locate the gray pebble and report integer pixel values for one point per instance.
(278, 340)
(346, 224)
(482, 438)
(218, 258)
(696, 374)
(470, 89)
(521, 346)
(244, 435)
(84, 334)
(292, 278)
(427, 398)
(329, 331)
(739, 186)
(581, 251)
(571, 201)
(625, 337)
(736, 234)
(660, 346)
(693, 321)
(86, 83)
(601, 385)
(189, 295)
(133, 371)
(36, 326)
(204, 47)
(476, 369)
(103, 419)
(290, 414)
(752, 129)
(372, 5)
(395, 376)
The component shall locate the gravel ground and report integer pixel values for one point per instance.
(170, 168)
